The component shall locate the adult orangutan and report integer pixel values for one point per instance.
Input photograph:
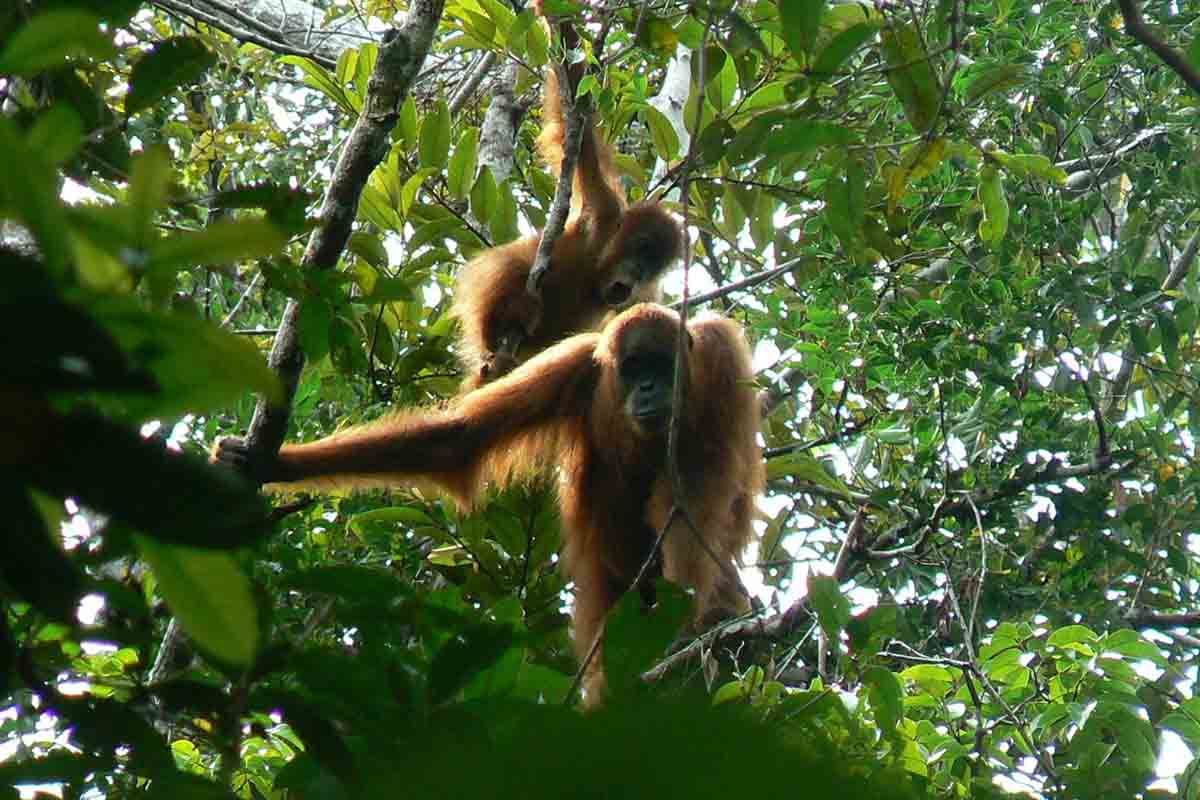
(597, 408)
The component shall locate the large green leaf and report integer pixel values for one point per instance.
(211, 596)
(50, 38)
(172, 63)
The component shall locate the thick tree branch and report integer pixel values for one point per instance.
(1146, 619)
(1136, 27)
(292, 27)
(498, 135)
(401, 54)
(273, 43)
(466, 89)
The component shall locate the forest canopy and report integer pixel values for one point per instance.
(961, 237)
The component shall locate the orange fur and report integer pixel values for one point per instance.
(564, 409)
(604, 242)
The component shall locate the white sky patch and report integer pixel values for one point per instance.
(766, 353)
(698, 282)
(74, 194)
(90, 607)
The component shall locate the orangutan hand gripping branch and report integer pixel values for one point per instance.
(608, 257)
(597, 407)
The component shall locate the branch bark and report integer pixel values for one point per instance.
(498, 136)
(576, 114)
(1147, 619)
(1136, 27)
(401, 54)
(292, 27)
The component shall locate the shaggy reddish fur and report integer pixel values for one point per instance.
(490, 297)
(564, 410)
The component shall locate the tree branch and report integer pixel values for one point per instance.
(479, 71)
(744, 283)
(274, 43)
(1146, 619)
(498, 135)
(401, 54)
(1136, 27)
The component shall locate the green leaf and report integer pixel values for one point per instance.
(466, 655)
(27, 185)
(886, 696)
(57, 134)
(1169, 333)
(435, 137)
(503, 224)
(1140, 340)
(408, 126)
(833, 609)
(149, 185)
(50, 38)
(911, 76)
(369, 248)
(722, 86)
(801, 19)
(312, 326)
(223, 242)
(170, 496)
(210, 595)
(484, 196)
(666, 141)
(636, 638)
(1072, 634)
(351, 581)
(390, 520)
(461, 173)
(806, 466)
(197, 365)
(845, 203)
(1131, 644)
(1029, 164)
(408, 194)
(538, 44)
(1186, 725)
(916, 162)
(995, 78)
(317, 77)
(842, 46)
(31, 563)
(994, 224)
(178, 61)
(798, 137)
(657, 36)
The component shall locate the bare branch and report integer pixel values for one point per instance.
(466, 89)
(744, 283)
(275, 43)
